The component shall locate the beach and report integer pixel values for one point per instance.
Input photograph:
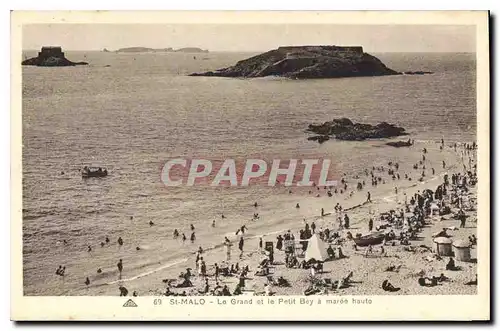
(368, 270)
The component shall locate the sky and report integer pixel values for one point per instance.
(252, 37)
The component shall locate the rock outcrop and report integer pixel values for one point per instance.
(307, 62)
(51, 57)
(345, 129)
(400, 143)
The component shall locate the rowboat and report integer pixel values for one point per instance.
(374, 238)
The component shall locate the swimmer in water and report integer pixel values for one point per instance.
(107, 240)
(120, 266)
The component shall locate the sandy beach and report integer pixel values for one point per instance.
(369, 270)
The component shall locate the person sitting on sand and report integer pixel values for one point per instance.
(330, 252)
(472, 282)
(123, 291)
(451, 265)
(340, 253)
(428, 282)
(237, 290)
(443, 278)
(225, 291)
(388, 287)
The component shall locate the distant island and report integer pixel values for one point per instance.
(51, 56)
(300, 62)
(154, 50)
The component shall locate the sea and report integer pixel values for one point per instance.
(133, 112)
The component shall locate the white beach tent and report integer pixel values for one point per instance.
(316, 249)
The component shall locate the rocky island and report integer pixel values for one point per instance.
(307, 62)
(51, 57)
(345, 129)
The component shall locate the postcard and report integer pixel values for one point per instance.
(235, 166)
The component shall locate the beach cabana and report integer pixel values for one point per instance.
(316, 249)
(461, 249)
(442, 246)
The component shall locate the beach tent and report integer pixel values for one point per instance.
(316, 249)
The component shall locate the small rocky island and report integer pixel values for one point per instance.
(51, 57)
(345, 129)
(300, 62)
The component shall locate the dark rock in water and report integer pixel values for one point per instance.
(417, 72)
(400, 143)
(51, 57)
(320, 139)
(345, 129)
(300, 62)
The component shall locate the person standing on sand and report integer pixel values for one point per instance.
(240, 245)
(322, 212)
(183, 238)
(193, 237)
(370, 225)
(313, 227)
(368, 197)
(444, 164)
(260, 244)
